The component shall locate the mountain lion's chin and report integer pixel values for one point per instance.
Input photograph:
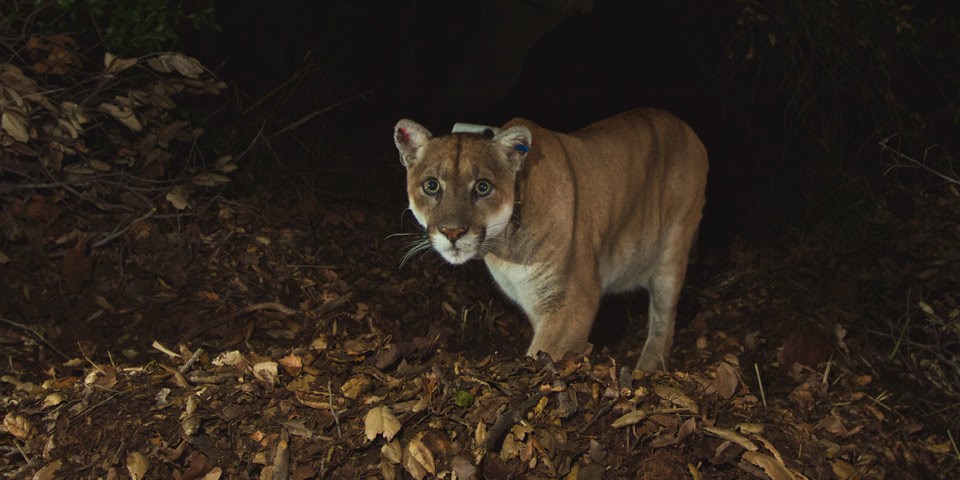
(456, 256)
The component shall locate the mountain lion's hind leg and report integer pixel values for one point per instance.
(664, 288)
(664, 294)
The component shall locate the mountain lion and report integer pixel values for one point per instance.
(561, 219)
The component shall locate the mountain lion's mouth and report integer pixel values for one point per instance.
(460, 251)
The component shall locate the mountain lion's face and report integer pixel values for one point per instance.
(461, 186)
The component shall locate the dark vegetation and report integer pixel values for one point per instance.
(237, 196)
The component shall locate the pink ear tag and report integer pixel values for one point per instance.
(404, 134)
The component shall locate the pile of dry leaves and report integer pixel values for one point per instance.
(85, 139)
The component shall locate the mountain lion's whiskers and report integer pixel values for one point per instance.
(421, 244)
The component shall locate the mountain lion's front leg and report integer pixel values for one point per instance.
(563, 323)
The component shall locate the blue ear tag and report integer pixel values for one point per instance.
(521, 148)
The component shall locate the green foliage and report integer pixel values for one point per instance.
(463, 398)
(131, 27)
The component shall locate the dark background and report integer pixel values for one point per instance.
(791, 98)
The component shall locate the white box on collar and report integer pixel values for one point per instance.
(461, 127)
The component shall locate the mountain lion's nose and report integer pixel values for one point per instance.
(453, 233)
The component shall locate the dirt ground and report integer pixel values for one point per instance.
(273, 335)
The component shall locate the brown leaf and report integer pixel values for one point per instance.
(726, 381)
(18, 426)
(16, 125)
(630, 418)
(49, 471)
(168, 62)
(115, 65)
(77, 267)
(392, 451)
(292, 364)
(463, 467)
(380, 421)
(356, 386)
(123, 113)
(14, 78)
(804, 348)
(774, 469)
(179, 197)
(418, 458)
(137, 464)
(677, 397)
(210, 179)
(732, 436)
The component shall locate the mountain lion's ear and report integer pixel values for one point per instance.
(410, 136)
(515, 143)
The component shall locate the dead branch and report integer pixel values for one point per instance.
(922, 164)
(230, 316)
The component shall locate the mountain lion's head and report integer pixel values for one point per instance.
(461, 186)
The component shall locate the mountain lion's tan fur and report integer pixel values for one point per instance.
(561, 219)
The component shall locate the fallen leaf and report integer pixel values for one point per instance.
(356, 386)
(123, 113)
(630, 418)
(115, 65)
(137, 465)
(49, 471)
(749, 428)
(726, 381)
(392, 451)
(168, 62)
(210, 179)
(422, 455)
(104, 376)
(413, 467)
(178, 197)
(266, 372)
(15, 124)
(231, 358)
(677, 397)
(733, 437)
(774, 469)
(53, 399)
(463, 468)
(213, 474)
(380, 421)
(18, 426)
(292, 364)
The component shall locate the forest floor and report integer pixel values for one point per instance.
(275, 336)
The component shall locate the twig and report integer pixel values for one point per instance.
(301, 71)
(953, 443)
(230, 316)
(942, 176)
(336, 418)
(36, 334)
(603, 411)
(330, 305)
(763, 396)
(111, 237)
(193, 358)
(281, 459)
(252, 142)
(506, 421)
(317, 112)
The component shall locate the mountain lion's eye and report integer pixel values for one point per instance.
(482, 188)
(431, 186)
